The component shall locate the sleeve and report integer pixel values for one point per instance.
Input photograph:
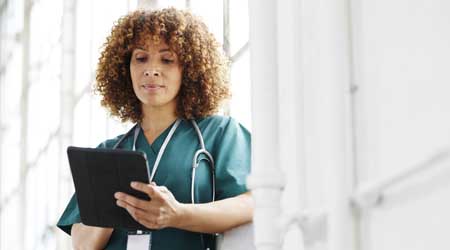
(232, 160)
(71, 214)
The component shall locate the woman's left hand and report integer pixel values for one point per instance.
(162, 210)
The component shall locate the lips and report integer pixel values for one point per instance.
(152, 86)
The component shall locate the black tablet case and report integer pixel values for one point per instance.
(97, 175)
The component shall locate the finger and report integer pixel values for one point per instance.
(146, 218)
(153, 208)
(150, 190)
(155, 219)
(136, 213)
(163, 189)
(131, 200)
(143, 187)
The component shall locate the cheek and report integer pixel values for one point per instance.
(174, 76)
(179, 77)
(134, 73)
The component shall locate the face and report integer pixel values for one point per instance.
(156, 75)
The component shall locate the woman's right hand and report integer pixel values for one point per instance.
(90, 238)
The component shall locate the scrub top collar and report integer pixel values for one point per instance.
(153, 148)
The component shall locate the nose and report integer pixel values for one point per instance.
(152, 73)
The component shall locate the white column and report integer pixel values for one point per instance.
(226, 44)
(291, 122)
(335, 83)
(24, 122)
(148, 4)
(266, 180)
(2, 51)
(67, 103)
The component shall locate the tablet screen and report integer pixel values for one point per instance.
(97, 175)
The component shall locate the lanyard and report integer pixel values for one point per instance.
(143, 240)
(161, 150)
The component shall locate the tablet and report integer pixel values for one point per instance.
(99, 173)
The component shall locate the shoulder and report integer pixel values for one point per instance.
(216, 121)
(109, 143)
(219, 122)
(222, 126)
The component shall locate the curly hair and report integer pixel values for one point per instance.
(204, 67)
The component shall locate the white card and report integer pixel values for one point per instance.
(139, 241)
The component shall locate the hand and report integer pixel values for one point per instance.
(89, 237)
(163, 210)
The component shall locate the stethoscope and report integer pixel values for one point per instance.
(195, 160)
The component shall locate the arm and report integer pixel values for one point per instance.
(87, 237)
(163, 210)
(218, 216)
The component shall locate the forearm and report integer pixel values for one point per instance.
(87, 237)
(218, 216)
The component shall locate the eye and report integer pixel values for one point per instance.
(141, 58)
(167, 60)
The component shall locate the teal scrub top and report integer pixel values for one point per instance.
(227, 141)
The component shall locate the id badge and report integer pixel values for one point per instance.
(139, 240)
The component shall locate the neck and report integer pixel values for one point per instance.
(157, 119)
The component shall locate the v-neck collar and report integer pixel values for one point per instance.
(142, 142)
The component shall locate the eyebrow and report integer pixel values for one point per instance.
(160, 51)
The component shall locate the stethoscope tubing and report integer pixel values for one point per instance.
(195, 160)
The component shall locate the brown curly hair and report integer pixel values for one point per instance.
(204, 67)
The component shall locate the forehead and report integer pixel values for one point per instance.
(150, 42)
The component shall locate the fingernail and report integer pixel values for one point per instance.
(133, 184)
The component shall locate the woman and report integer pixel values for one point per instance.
(162, 69)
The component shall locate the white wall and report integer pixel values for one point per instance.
(374, 102)
(401, 58)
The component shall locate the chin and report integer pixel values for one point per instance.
(154, 103)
